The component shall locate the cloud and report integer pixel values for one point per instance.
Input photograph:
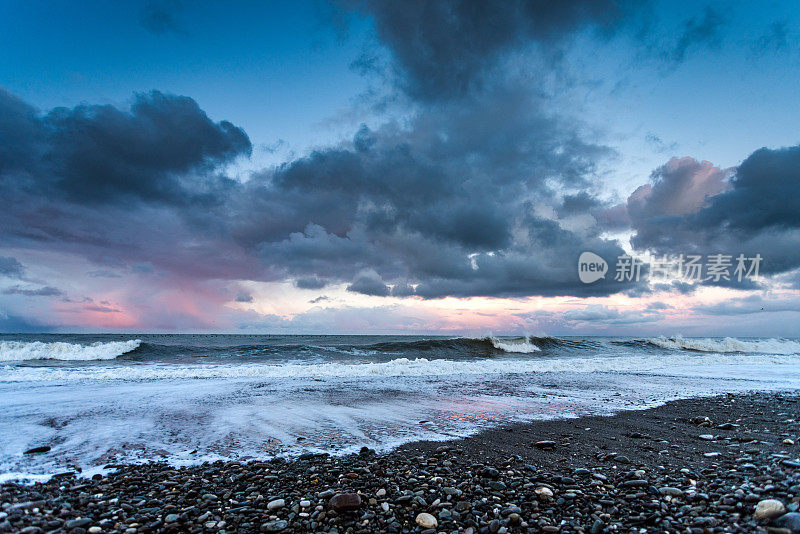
(443, 49)
(681, 186)
(10, 267)
(701, 30)
(598, 313)
(369, 283)
(103, 273)
(310, 282)
(403, 290)
(749, 305)
(690, 207)
(244, 297)
(101, 308)
(93, 154)
(658, 144)
(46, 291)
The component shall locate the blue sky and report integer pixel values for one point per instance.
(527, 108)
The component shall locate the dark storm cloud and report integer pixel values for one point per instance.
(369, 283)
(441, 49)
(765, 193)
(310, 283)
(403, 290)
(446, 203)
(578, 203)
(10, 267)
(692, 207)
(100, 154)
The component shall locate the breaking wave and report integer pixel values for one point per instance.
(523, 345)
(728, 344)
(417, 367)
(526, 345)
(17, 351)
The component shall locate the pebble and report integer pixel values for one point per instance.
(276, 504)
(426, 520)
(275, 526)
(670, 491)
(78, 523)
(768, 509)
(345, 501)
(790, 521)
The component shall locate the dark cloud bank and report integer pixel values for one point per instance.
(465, 198)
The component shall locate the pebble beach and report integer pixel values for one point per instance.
(721, 464)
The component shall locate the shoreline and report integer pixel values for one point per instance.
(659, 469)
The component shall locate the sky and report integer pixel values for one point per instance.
(369, 166)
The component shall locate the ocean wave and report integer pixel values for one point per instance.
(16, 351)
(728, 344)
(523, 345)
(484, 345)
(456, 347)
(417, 367)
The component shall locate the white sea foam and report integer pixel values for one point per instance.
(418, 367)
(15, 351)
(514, 345)
(729, 344)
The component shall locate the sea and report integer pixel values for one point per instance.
(102, 400)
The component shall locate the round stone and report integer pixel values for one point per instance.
(769, 508)
(426, 520)
(276, 504)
